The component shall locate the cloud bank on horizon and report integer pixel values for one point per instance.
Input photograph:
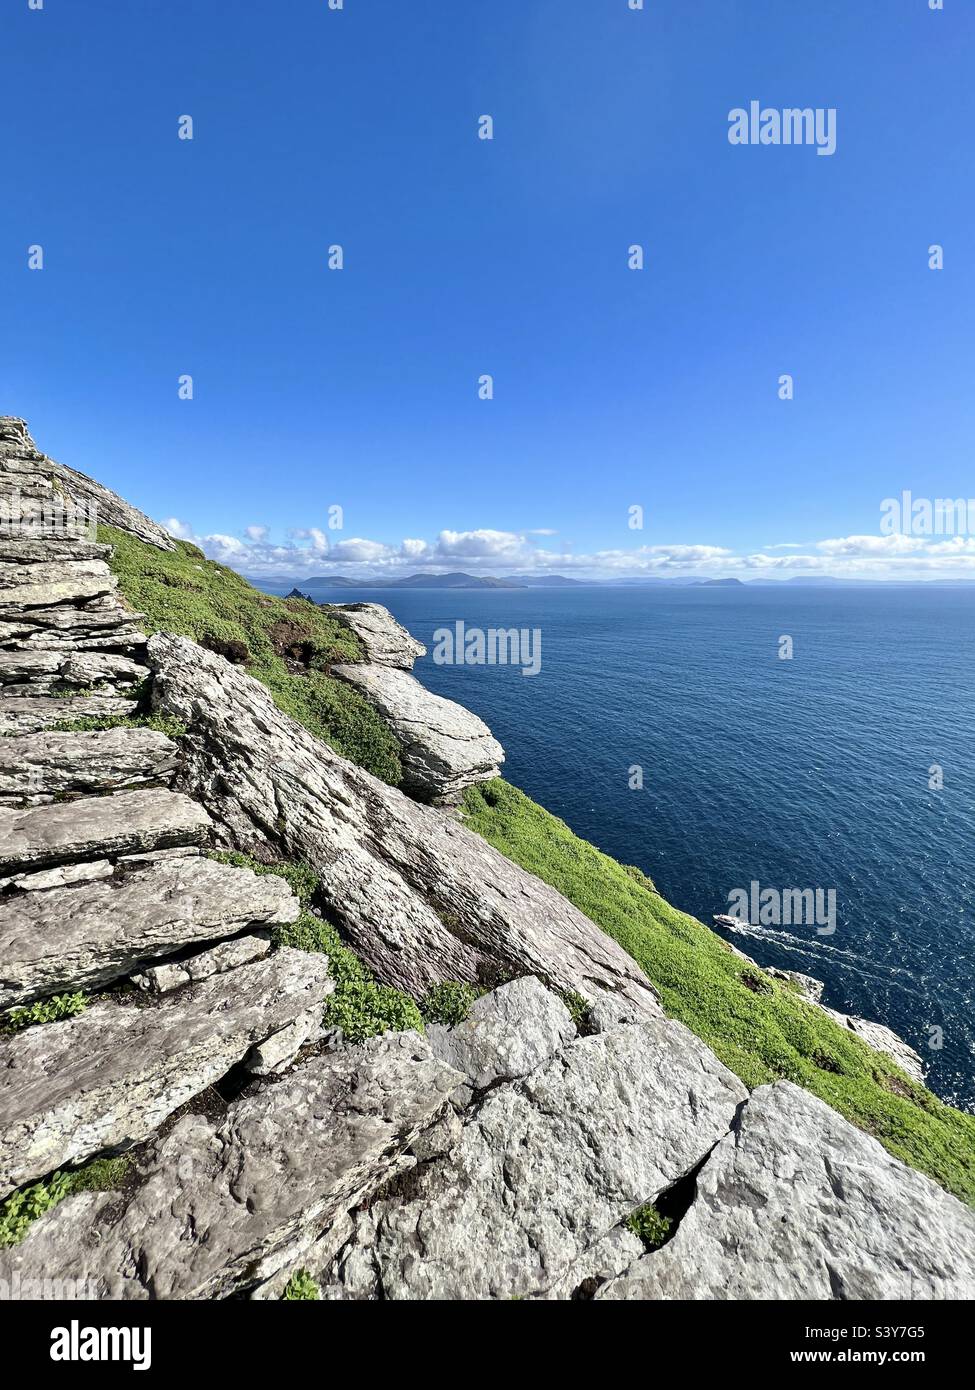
(309, 550)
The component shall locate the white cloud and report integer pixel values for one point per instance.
(309, 551)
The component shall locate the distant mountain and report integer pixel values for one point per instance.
(453, 581)
(544, 581)
(717, 583)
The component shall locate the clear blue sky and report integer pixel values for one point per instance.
(463, 257)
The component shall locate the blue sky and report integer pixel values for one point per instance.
(613, 387)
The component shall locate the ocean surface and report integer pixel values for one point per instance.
(806, 773)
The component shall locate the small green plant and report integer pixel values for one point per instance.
(51, 1010)
(301, 1286)
(301, 879)
(22, 1208)
(448, 1003)
(359, 1006)
(577, 1007)
(647, 1223)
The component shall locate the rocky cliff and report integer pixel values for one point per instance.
(272, 1023)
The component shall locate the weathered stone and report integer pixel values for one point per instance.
(883, 1039)
(279, 1050)
(112, 1074)
(421, 898)
(798, 1204)
(27, 549)
(19, 454)
(507, 1034)
(160, 979)
(90, 933)
(385, 641)
(239, 1201)
(84, 762)
(610, 1256)
(547, 1165)
(60, 877)
(445, 747)
(99, 827)
(30, 714)
(40, 671)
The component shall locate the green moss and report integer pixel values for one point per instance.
(577, 1006)
(300, 1286)
(288, 644)
(23, 1207)
(50, 1010)
(649, 1225)
(448, 1003)
(760, 1036)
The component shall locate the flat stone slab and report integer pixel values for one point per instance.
(160, 979)
(445, 747)
(52, 764)
(28, 714)
(798, 1204)
(546, 1166)
(98, 827)
(89, 933)
(242, 1199)
(46, 583)
(111, 1075)
(507, 1034)
(27, 671)
(385, 641)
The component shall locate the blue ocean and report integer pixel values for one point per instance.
(809, 772)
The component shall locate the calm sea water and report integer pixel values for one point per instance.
(804, 773)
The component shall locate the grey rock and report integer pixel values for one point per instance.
(507, 1034)
(160, 979)
(111, 1075)
(46, 583)
(54, 764)
(883, 1039)
(93, 932)
(62, 876)
(278, 1051)
(238, 1202)
(41, 671)
(547, 1165)
(30, 714)
(99, 827)
(445, 748)
(798, 1204)
(19, 456)
(421, 898)
(385, 641)
(609, 1257)
(811, 989)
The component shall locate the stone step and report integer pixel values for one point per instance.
(42, 672)
(49, 765)
(28, 549)
(46, 583)
(28, 714)
(88, 933)
(98, 827)
(111, 1075)
(101, 621)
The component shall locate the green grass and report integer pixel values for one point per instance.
(448, 1003)
(22, 1208)
(762, 1037)
(287, 644)
(162, 723)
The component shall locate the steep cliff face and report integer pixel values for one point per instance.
(214, 931)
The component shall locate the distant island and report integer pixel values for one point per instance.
(306, 588)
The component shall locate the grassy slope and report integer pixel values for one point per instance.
(761, 1037)
(183, 592)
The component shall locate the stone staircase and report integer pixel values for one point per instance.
(104, 885)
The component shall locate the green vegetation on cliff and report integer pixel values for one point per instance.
(287, 644)
(762, 1036)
